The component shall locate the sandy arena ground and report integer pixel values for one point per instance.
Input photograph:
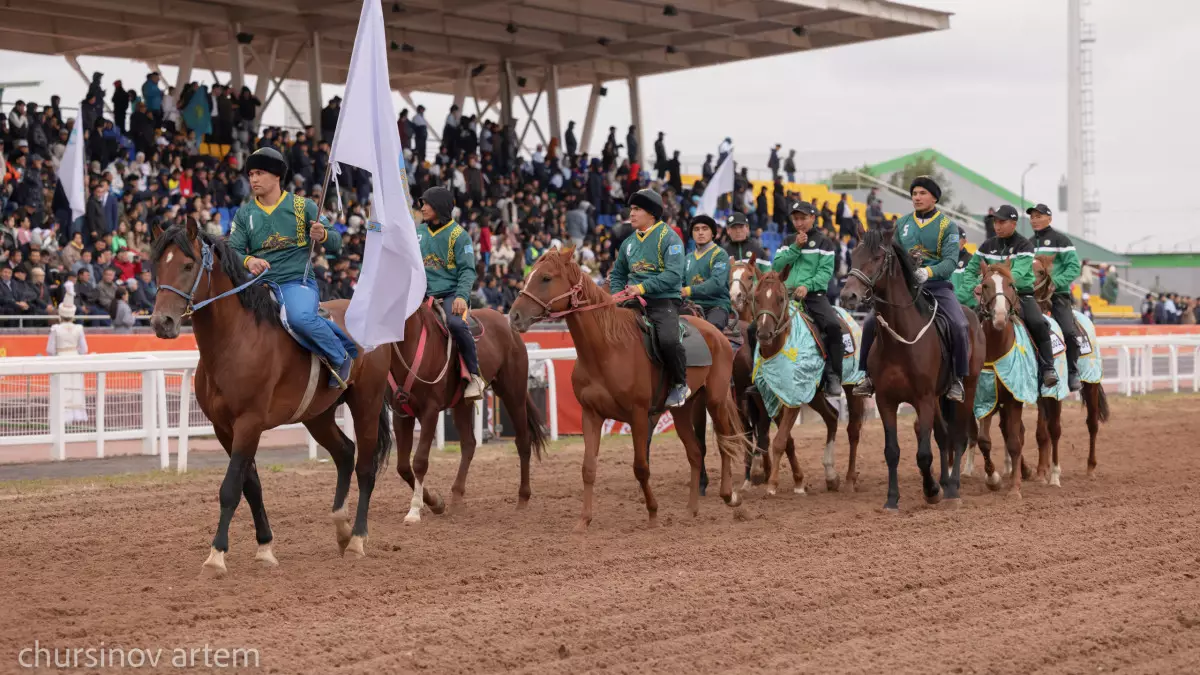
(1097, 576)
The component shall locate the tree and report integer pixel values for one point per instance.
(850, 180)
(923, 166)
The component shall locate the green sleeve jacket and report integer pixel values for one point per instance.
(935, 238)
(277, 234)
(449, 259)
(812, 263)
(1015, 252)
(707, 277)
(1067, 267)
(962, 290)
(653, 261)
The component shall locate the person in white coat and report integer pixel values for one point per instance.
(66, 339)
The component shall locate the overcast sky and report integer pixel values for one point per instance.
(990, 93)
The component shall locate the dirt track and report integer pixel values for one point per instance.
(1093, 577)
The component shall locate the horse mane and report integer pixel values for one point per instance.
(772, 279)
(256, 299)
(613, 327)
(874, 240)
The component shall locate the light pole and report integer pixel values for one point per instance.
(1023, 174)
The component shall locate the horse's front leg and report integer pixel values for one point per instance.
(245, 445)
(783, 434)
(926, 411)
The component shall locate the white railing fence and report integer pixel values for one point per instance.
(139, 396)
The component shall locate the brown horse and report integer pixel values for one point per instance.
(997, 311)
(425, 368)
(1092, 394)
(906, 365)
(252, 376)
(615, 379)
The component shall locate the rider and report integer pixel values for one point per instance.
(650, 263)
(1011, 249)
(929, 234)
(964, 292)
(707, 273)
(273, 234)
(738, 243)
(1049, 241)
(449, 274)
(811, 257)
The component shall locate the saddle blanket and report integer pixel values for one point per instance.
(790, 377)
(1090, 367)
(1063, 389)
(1016, 371)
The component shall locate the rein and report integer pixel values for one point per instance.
(889, 259)
(782, 324)
(577, 301)
(206, 267)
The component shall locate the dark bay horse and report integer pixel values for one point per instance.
(907, 365)
(615, 379)
(253, 376)
(425, 367)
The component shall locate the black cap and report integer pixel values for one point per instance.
(736, 218)
(1040, 208)
(1006, 212)
(804, 207)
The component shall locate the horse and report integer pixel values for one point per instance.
(428, 382)
(615, 378)
(744, 279)
(253, 376)
(998, 304)
(1092, 395)
(773, 311)
(907, 365)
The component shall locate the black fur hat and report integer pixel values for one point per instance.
(441, 201)
(269, 160)
(705, 220)
(929, 184)
(649, 201)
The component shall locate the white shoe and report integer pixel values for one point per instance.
(474, 388)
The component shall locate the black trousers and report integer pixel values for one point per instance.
(717, 316)
(1039, 330)
(663, 313)
(1061, 308)
(830, 326)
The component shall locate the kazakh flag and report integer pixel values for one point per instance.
(196, 115)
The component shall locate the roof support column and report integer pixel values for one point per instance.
(460, 87)
(187, 59)
(266, 69)
(589, 119)
(237, 60)
(552, 102)
(635, 114)
(314, 84)
(506, 116)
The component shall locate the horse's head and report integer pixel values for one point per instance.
(743, 277)
(180, 257)
(553, 285)
(997, 295)
(871, 263)
(1043, 285)
(772, 306)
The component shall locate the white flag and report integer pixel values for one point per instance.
(720, 183)
(391, 284)
(70, 171)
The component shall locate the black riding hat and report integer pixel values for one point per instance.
(269, 160)
(441, 201)
(649, 201)
(705, 220)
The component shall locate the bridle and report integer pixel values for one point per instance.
(985, 311)
(781, 323)
(747, 290)
(206, 268)
(576, 301)
(889, 260)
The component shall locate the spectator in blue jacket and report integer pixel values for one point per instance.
(152, 96)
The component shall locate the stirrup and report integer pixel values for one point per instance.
(864, 388)
(1049, 378)
(1073, 382)
(955, 392)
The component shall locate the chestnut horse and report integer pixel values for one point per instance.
(425, 368)
(907, 365)
(615, 379)
(253, 376)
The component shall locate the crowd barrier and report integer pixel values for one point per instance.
(148, 396)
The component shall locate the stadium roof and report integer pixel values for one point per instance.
(437, 42)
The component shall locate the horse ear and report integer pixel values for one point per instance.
(753, 258)
(193, 230)
(889, 234)
(567, 252)
(156, 231)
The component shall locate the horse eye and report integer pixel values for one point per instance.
(188, 267)
(546, 278)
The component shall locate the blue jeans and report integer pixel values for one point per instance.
(949, 307)
(461, 333)
(320, 336)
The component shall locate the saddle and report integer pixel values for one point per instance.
(401, 393)
(942, 325)
(439, 311)
(695, 349)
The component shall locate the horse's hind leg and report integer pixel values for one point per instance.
(464, 423)
(429, 420)
(513, 398)
(693, 447)
(1091, 397)
(829, 414)
(252, 491)
(926, 411)
(779, 445)
(700, 431)
(983, 439)
(325, 431)
(1054, 424)
(1042, 435)
(941, 437)
(856, 406)
(641, 430)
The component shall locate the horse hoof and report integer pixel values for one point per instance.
(1091, 473)
(993, 481)
(522, 503)
(890, 510)
(799, 490)
(851, 484)
(413, 517)
(770, 492)
(734, 500)
(834, 484)
(580, 528)
(935, 498)
(438, 507)
(746, 486)
(652, 522)
(214, 567)
(341, 525)
(356, 547)
(1014, 494)
(952, 503)
(264, 556)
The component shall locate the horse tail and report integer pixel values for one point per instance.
(383, 443)
(537, 431)
(1102, 402)
(735, 443)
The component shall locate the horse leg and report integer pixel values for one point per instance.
(1014, 438)
(429, 420)
(252, 491)
(370, 415)
(798, 486)
(700, 432)
(325, 430)
(1008, 465)
(829, 414)
(592, 424)
(891, 450)
(971, 440)
(513, 398)
(783, 433)
(404, 427)
(245, 444)
(694, 448)
(1091, 396)
(857, 409)
(941, 437)
(956, 416)
(464, 423)
(762, 431)
(730, 443)
(926, 411)
(1042, 435)
(984, 441)
(1054, 423)
(640, 430)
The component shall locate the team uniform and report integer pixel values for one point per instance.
(962, 290)
(706, 278)
(740, 251)
(1067, 267)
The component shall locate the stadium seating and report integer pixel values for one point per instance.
(808, 191)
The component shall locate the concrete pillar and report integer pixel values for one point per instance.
(635, 114)
(266, 71)
(552, 103)
(314, 83)
(1075, 210)
(237, 61)
(460, 87)
(187, 59)
(506, 94)
(589, 120)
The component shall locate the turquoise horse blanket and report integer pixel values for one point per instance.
(1090, 367)
(1016, 371)
(1061, 390)
(790, 377)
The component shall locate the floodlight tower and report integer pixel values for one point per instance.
(1082, 203)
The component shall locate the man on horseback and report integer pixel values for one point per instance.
(707, 273)
(810, 259)
(931, 239)
(650, 263)
(1049, 241)
(449, 274)
(273, 234)
(738, 243)
(963, 291)
(1011, 249)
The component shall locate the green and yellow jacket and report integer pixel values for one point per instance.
(707, 277)
(653, 260)
(1067, 267)
(277, 234)
(935, 238)
(449, 260)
